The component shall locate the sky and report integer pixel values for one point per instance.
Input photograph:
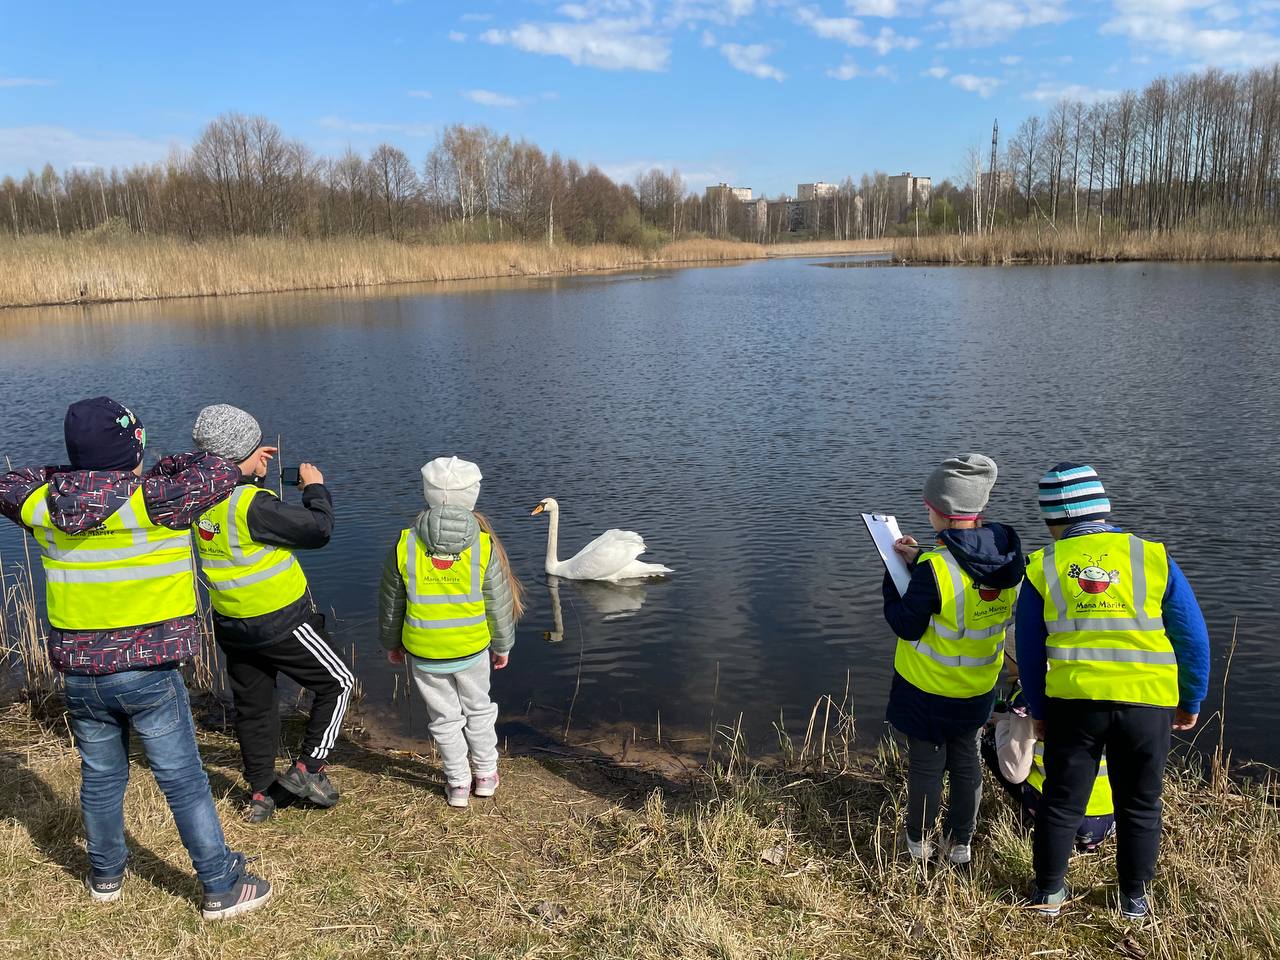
(758, 93)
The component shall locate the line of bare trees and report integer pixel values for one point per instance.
(1200, 149)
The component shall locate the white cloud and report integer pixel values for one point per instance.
(850, 32)
(874, 8)
(751, 59)
(724, 12)
(849, 69)
(420, 94)
(708, 39)
(1051, 93)
(24, 82)
(1012, 60)
(1190, 29)
(976, 23)
(457, 36)
(608, 44)
(23, 148)
(936, 72)
(376, 128)
(488, 98)
(982, 86)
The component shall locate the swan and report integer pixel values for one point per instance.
(610, 556)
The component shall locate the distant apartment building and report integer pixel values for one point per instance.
(907, 191)
(815, 191)
(722, 191)
(1003, 179)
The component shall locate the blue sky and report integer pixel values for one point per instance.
(762, 93)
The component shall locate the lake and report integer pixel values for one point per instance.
(739, 418)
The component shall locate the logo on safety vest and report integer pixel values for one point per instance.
(989, 594)
(208, 529)
(1093, 579)
(443, 561)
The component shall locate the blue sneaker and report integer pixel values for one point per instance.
(248, 892)
(104, 889)
(1134, 908)
(1049, 905)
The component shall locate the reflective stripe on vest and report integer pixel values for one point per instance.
(1106, 638)
(444, 615)
(245, 578)
(124, 572)
(959, 655)
(1100, 801)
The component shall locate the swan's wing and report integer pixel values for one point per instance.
(604, 556)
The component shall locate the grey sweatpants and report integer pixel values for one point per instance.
(462, 718)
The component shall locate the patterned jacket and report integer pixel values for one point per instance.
(176, 491)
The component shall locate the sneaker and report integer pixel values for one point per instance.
(957, 854)
(104, 890)
(920, 850)
(487, 785)
(458, 794)
(310, 785)
(1049, 905)
(260, 809)
(1133, 908)
(249, 892)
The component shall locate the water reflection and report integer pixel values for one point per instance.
(609, 601)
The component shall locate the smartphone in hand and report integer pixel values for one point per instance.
(290, 477)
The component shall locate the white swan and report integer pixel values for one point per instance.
(610, 556)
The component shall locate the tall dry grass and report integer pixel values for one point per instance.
(45, 270)
(1040, 243)
(829, 248)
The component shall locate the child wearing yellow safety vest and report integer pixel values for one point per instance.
(264, 618)
(448, 605)
(1114, 656)
(950, 626)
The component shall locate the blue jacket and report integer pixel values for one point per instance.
(1183, 622)
(992, 555)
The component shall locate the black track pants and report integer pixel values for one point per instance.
(307, 657)
(1136, 740)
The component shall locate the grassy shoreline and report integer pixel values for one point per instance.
(1042, 244)
(579, 858)
(44, 271)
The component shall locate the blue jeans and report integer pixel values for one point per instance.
(153, 703)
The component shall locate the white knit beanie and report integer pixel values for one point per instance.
(448, 480)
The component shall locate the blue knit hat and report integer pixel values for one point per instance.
(102, 434)
(1072, 492)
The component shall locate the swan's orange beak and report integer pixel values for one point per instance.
(537, 510)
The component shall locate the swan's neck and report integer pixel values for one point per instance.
(553, 541)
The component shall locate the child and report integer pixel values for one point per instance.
(263, 615)
(1015, 757)
(950, 626)
(450, 602)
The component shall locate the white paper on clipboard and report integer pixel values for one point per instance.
(884, 531)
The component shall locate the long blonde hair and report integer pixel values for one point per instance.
(517, 588)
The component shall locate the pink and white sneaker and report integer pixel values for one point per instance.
(487, 785)
(458, 794)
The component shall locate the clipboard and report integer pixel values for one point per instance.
(884, 531)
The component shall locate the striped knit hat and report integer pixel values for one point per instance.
(1072, 492)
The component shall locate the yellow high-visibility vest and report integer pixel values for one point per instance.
(125, 572)
(1100, 802)
(444, 616)
(959, 655)
(1103, 594)
(245, 578)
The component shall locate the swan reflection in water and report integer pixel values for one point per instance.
(613, 601)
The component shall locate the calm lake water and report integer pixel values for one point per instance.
(739, 418)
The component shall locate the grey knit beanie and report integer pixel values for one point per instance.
(960, 488)
(227, 431)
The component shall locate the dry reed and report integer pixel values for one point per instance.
(46, 270)
(829, 248)
(1042, 243)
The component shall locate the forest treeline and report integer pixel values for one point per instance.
(1197, 150)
